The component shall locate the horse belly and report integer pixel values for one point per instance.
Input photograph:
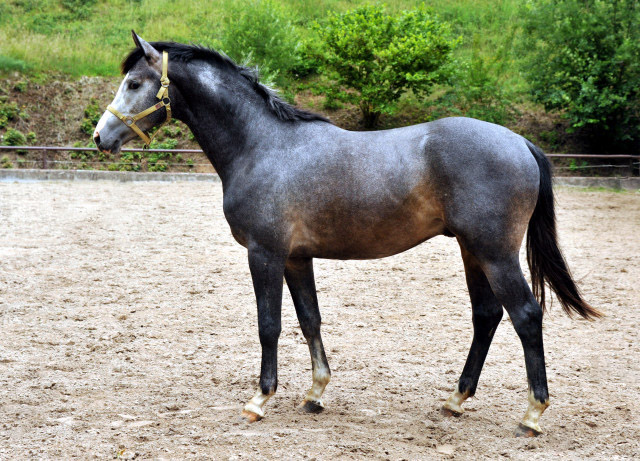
(375, 231)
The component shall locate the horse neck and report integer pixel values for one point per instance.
(227, 117)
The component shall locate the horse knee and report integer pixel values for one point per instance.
(269, 334)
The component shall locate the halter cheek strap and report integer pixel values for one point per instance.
(163, 96)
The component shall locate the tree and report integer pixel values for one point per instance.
(584, 59)
(262, 32)
(381, 56)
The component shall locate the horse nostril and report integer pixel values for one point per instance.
(96, 138)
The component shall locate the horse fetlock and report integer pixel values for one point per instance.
(530, 425)
(453, 405)
(321, 376)
(254, 409)
(313, 403)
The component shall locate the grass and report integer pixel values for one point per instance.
(90, 37)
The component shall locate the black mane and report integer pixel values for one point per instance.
(185, 53)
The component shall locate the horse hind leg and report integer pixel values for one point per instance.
(487, 313)
(513, 292)
(300, 280)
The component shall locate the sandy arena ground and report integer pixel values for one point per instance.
(128, 329)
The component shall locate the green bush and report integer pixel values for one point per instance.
(80, 9)
(476, 91)
(92, 114)
(14, 138)
(583, 58)
(5, 162)
(9, 64)
(158, 161)
(261, 32)
(381, 56)
(20, 87)
(8, 111)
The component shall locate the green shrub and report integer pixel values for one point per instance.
(310, 57)
(5, 162)
(20, 87)
(160, 165)
(31, 137)
(262, 32)
(583, 58)
(8, 111)
(476, 91)
(80, 9)
(92, 114)
(158, 161)
(381, 56)
(14, 138)
(82, 155)
(9, 64)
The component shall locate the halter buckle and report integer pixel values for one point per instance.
(128, 121)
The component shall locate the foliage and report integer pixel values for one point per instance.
(158, 161)
(261, 32)
(20, 86)
(92, 114)
(584, 59)
(382, 55)
(8, 111)
(5, 162)
(13, 138)
(7, 64)
(44, 35)
(476, 91)
(79, 8)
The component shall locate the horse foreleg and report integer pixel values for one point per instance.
(487, 313)
(267, 270)
(299, 276)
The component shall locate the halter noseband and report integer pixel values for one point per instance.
(163, 96)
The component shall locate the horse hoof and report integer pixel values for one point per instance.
(250, 416)
(524, 431)
(307, 406)
(449, 412)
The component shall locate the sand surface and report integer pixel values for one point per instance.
(128, 329)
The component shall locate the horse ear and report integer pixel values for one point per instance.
(153, 56)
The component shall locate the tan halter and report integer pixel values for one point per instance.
(163, 96)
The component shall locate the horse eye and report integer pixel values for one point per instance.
(134, 85)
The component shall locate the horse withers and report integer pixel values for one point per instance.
(296, 187)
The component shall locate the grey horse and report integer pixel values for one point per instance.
(297, 187)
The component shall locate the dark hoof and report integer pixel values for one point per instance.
(448, 412)
(308, 406)
(524, 431)
(250, 416)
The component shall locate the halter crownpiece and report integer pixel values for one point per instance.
(163, 96)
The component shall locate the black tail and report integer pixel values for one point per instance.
(545, 259)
